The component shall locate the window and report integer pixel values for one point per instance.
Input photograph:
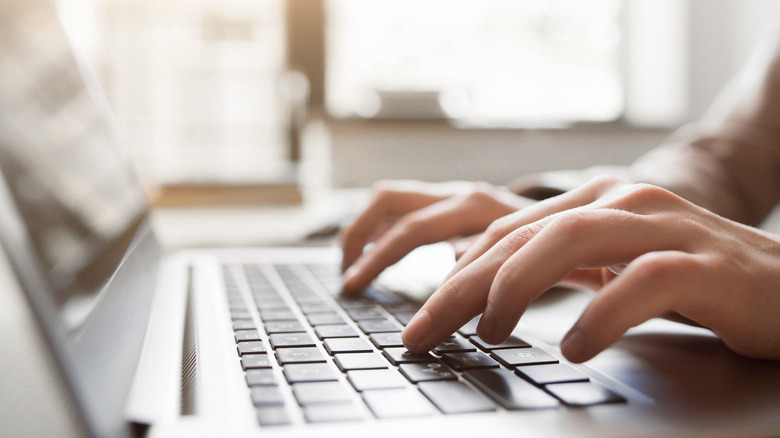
(492, 62)
(194, 84)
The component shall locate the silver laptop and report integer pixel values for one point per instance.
(258, 342)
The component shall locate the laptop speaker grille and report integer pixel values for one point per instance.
(189, 359)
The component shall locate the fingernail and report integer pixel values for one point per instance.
(416, 331)
(348, 276)
(574, 346)
(487, 324)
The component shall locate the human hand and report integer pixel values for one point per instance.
(647, 251)
(403, 215)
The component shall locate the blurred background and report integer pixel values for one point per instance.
(340, 93)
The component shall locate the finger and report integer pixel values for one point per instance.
(459, 299)
(566, 242)
(650, 286)
(389, 200)
(456, 216)
(578, 197)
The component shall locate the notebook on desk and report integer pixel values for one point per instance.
(258, 342)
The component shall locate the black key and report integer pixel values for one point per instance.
(379, 326)
(260, 282)
(298, 288)
(584, 394)
(250, 347)
(384, 340)
(247, 335)
(260, 377)
(299, 355)
(243, 324)
(356, 303)
(277, 315)
(267, 396)
(335, 331)
(307, 298)
(469, 361)
(321, 392)
(237, 308)
(426, 372)
(454, 345)
(404, 317)
(240, 314)
(383, 296)
(363, 380)
(308, 308)
(272, 416)
(399, 355)
(249, 361)
(332, 412)
(263, 289)
(551, 373)
(236, 300)
(522, 356)
(325, 318)
(270, 302)
(511, 342)
(283, 327)
(509, 390)
(395, 403)
(347, 345)
(309, 372)
(470, 328)
(291, 340)
(403, 306)
(454, 397)
(268, 299)
(366, 313)
(359, 361)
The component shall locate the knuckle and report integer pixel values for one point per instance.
(649, 193)
(663, 270)
(382, 188)
(653, 265)
(499, 228)
(516, 239)
(571, 223)
(411, 224)
(451, 290)
(482, 192)
(604, 182)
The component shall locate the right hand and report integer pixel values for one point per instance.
(403, 215)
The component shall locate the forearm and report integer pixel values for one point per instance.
(734, 171)
(728, 163)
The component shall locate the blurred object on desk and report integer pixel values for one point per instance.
(281, 190)
(197, 194)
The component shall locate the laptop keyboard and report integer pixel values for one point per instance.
(310, 354)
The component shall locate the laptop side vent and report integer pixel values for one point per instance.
(189, 357)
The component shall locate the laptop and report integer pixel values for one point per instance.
(258, 341)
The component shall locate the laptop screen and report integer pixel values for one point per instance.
(76, 194)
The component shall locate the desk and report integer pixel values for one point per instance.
(183, 227)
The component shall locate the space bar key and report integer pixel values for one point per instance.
(509, 390)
